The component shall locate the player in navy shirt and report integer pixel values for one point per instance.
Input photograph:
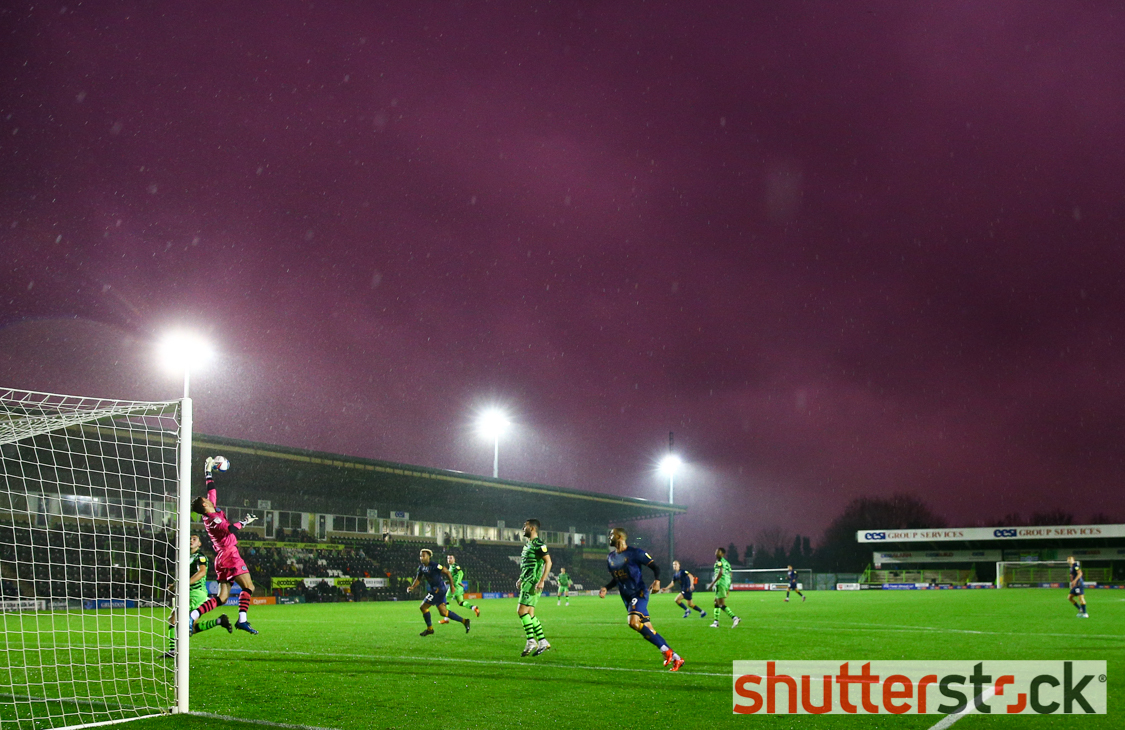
(625, 565)
(437, 577)
(1077, 587)
(686, 582)
(792, 577)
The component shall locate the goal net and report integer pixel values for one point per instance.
(88, 527)
(1031, 574)
(768, 579)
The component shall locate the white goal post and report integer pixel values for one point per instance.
(770, 579)
(92, 552)
(1031, 572)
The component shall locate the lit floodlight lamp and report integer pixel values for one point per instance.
(493, 423)
(183, 352)
(670, 464)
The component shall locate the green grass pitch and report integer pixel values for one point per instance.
(364, 665)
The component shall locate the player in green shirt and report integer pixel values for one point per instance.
(457, 588)
(564, 587)
(535, 564)
(196, 596)
(721, 584)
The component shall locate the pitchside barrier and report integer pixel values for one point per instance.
(768, 579)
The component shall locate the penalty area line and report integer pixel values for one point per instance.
(493, 662)
(267, 723)
(860, 626)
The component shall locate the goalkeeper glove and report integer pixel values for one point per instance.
(248, 519)
(209, 465)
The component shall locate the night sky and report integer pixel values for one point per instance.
(839, 250)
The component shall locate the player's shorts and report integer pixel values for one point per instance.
(197, 598)
(721, 590)
(1078, 590)
(637, 605)
(529, 596)
(792, 586)
(563, 591)
(436, 598)
(229, 565)
(458, 594)
(686, 594)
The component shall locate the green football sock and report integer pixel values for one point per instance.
(204, 625)
(537, 628)
(171, 638)
(528, 629)
(728, 612)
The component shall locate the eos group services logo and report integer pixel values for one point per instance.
(1007, 532)
(875, 536)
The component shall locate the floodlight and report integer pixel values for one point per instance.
(184, 351)
(493, 423)
(670, 464)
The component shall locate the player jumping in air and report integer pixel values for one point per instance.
(564, 587)
(721, 584)
(535, 564)
(1077, 587)
(457, 585)
(624, 565)
(686, 582)
(229, 565)
(197, 595)
(791, 575)
(435, 575)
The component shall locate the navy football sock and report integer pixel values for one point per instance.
(653, 638)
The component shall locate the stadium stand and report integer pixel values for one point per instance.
(384, 511)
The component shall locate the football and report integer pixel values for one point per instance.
(222, 462)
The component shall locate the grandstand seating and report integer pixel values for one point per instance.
(57, 562)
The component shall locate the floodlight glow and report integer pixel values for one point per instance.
(180, 351)
(493, 423)
(670, 464)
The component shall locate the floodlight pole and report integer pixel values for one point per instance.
(183, 553)
(671, 515)
(671, 525)
(496, 457)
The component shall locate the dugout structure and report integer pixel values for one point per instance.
(1004, 557)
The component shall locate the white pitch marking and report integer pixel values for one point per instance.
(230, 718)
(532, 663)
(948, 720)
(891, 627)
